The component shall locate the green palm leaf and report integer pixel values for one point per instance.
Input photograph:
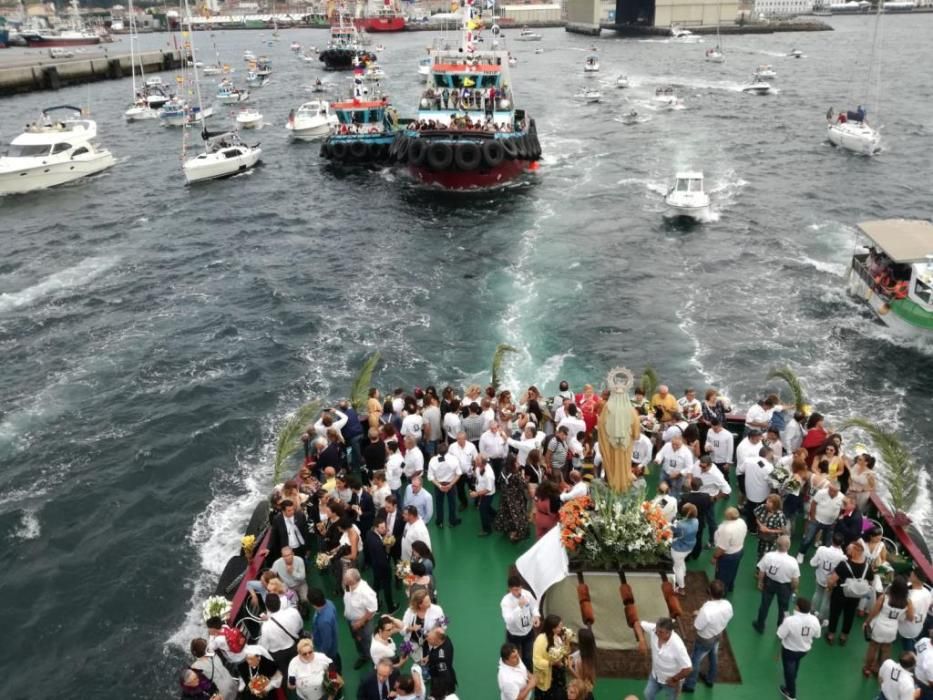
(360, 390)
(901, 472)
(648, 382)
(289, 438)
(497, 359)
(788, 375)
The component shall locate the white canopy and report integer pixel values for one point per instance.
(903, 240)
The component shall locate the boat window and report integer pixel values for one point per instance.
(28, 151)
(923, 291)
(79, 151)
(61, 148)
(696, 185)
(682, 186)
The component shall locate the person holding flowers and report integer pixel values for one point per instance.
(549, 656)
(258, 673)
(310, 675)
(421, 617)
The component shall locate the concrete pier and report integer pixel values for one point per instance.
(30, 75)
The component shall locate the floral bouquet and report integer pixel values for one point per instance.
(258, 684)
(215, 606)
(248, 543)
(406, 648)
(574, 518)
(321, 527)
(332, 683)
(322, 561)
(403, 569)
(388, 541)
(443, 621)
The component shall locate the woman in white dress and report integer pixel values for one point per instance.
(890, 609)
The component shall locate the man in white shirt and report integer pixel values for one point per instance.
(522, 618)
(923, 671)
(758, 417)
(531, 440)
(564, 394)
(729, 545)
(572, 421)
(666, 502)
(670, 662)
(710, 623)
(897, 681)
(793, 434)
(414, 459)
(721, 446)
(690, 407)
(421, 500)
(747, 449)
(484, 491)
(778, 575)
(712, 482)
(824, 562)
(910, 628)
(444, 473)
(757, 483)
(359, 607)
(493, 447)
(825, 506)
(326, 422)
(796, 633)
(515, 682)
(642, 451)
(415, 530)
(676, 462)
(578, 488)
(279, 632)
(464, 452)
(676, 428)
(431, 429)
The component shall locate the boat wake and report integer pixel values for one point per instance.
(64, 280)
(29, 527)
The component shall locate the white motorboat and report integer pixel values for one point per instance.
(375, 74)
(380, 47)
(715, 55)
(174, 113)
(795, 53)
(512, 60)
(424, 66)
(249, 56)
(683, 35)
(312, 120)
(622, 82)
(229, 94)
(666, 98)
(591, 95)
(212, 70)
(758, 86)
(539, 50)
(318, 86)
(527, 35)
(295, 46)
(140, 111)
(255, 80)
(852, 132)
(224, 155)
(630, 118)
(686, 199)
(591, 64)
(51, 153)
(765, 72)
(893, 275)
(309, 57)
(249, 118)
(197, 115)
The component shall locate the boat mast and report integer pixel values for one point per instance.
(133, 48)
(194, 60)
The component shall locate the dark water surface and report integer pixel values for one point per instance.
(152, 335)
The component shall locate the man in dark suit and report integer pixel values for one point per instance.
(702, 502)
(395, 525)
(363, 499)
(378, 683)
(374, 552)
(289, 529)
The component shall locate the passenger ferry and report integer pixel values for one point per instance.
(468, 133)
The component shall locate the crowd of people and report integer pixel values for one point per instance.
(369, 486)
(461, 122)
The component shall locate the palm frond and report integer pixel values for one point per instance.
(497, 359)
(901, 472)
(788, 375)
(360, 389)
(289, 438)
(648, 382)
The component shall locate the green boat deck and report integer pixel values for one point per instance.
(471, 579)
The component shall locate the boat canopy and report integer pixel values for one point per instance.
(902, 240)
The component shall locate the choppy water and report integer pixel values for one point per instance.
(153, 335)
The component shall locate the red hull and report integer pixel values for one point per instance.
(474, 180)
(380, 24)
(53, 42)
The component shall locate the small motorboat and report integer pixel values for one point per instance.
(318, 86)
(196, 115)
(715, 55)
(229, 94)
(380, 47)
(765, 72)
(591, 64)
(527, 35)
(666, 98)
(539, 50)
(758, 86)
(687, 199)
(224, 155)
(213, 69)
(424, 66)
(312, 120)
(255, 80)
(309, 57)
(140, 111)
(174, 112)
(630, 117)
(591, 95)
(622, 82)
(249, 56)
(295, 46)
(249, 118)
(375, 74)
(683, 35)
(512, 60)
(795, 53)
(851, 131)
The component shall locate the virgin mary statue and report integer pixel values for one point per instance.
(619, 428)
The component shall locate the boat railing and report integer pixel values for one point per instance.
(897, 526)
(860, 267)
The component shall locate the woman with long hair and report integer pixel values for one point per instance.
(583, 665)
(891, 608)
(862, 481)
(547, 505)
(816, 435)
(842, 603)
(794, 488)
(549, 664)
(512, 517)
(685, 539)
(422, 553)
(837, 464)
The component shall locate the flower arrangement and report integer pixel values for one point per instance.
(388, 541)
(561, 648)
(257, 684)
(406, 649)
(609, 530)
(248, 543)
(403, 570)
(443, 621)
(332, 683)
(322, 561)
(215, 606)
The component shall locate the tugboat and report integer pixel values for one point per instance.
(345, 49)
(365, 130)
(468, 134)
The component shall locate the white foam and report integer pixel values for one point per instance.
(29, 527)
(69, 278)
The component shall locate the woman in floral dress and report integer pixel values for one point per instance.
(771, 523)
(512, 518)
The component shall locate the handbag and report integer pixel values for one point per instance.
(856, 587)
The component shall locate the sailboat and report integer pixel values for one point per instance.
(217, 67)
(850, 129)
(715, 55)
(141, 108)
(224, 154)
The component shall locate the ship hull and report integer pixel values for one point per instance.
(48, 42)
(380, 24)
(459, 181)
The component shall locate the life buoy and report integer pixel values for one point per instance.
(402, 149)
(468, 156)
(493, 153)
(338, 150)
(440, 156)
(359, 150)
(373, 130)
(510, 148)
(416, 152)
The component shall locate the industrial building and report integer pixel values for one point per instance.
(683, 13)
(529, 14)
